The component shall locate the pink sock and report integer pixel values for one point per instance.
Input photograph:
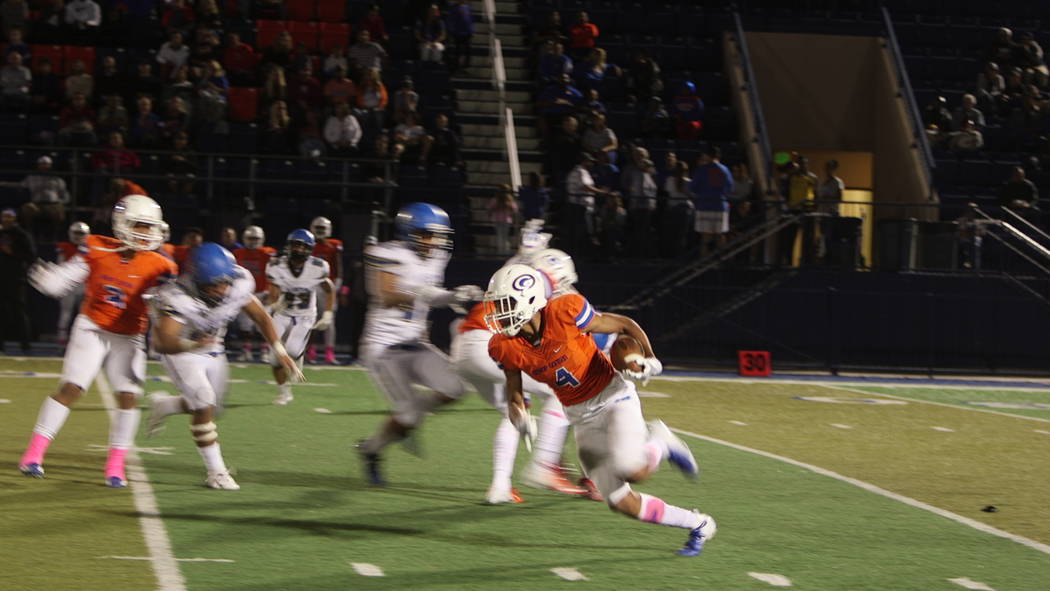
(115, 463)
(35, 452)
(655, 510)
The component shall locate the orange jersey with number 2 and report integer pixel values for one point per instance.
(113, 294)
(566, 358)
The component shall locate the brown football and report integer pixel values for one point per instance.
(623, 346)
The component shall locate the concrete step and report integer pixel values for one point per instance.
(482, 29)
(505, 8)
(486, 130)
(478, 107)
(514, 97)
(487, 142)
(499, 166)
(485, 73)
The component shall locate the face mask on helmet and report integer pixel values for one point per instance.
(427, 243)
(137, 222)
(213, 294)
(516, 293)
(253, 237)
(299, 251)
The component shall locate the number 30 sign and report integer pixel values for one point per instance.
(755, 363)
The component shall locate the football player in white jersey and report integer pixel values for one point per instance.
(403, 278)
(78, 233)
(293, 279)
(190, 317)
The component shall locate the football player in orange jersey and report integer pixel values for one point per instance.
(550, 342)
(254, 257)
(108, 332)
(78, 232)
(331, 250)
(192, 237)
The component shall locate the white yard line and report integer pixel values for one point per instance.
(771, 578)
(982, 527)
(921, 401)
(569, 573)
(367, 570)
(225, 560)
(165, 568)
(967, 583)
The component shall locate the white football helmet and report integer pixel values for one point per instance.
(516, 293)
(78, 232)
(321, 227)
(253, 237)
(165, 231)
(558, 266)
(133, 211)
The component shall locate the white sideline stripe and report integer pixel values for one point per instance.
(771, 578)
(943, 429)
(569, 573)
(1041, 431)
(982, 527)
(970, 584)
(946, 404)
(4, 401)
(165, 568)
(323, 411)
(873, 383)
(177, 559)
(367, 570)
(741, 423)
(841, 426)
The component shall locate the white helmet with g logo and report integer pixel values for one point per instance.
(516, 293)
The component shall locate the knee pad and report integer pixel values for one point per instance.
(205, 433)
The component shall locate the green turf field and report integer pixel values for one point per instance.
(305, 520)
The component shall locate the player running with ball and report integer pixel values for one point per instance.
(550, 341)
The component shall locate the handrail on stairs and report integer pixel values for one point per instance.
(499, 84)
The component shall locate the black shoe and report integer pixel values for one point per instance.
(371, 462)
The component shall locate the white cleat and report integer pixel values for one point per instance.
(550, 478)
(283, 398)
(679, 453)
(499, 495)
(221, 481)
(155, 422)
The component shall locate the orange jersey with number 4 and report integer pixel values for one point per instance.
(113, 293)
(566, 358)
(255, 260)
(330, 250)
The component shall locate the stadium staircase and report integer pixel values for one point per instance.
(1025, 240)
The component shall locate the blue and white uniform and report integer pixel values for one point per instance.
(296, 314)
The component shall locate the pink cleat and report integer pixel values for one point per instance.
(329, 356)
(115, 477)
(311, 354)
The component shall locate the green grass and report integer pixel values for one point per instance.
(304, 513)
(1038, 400)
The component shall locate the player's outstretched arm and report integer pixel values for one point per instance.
(326, 318)
(273, 295)
(519, 416)
(255, 310)
(167, 337)
(58, 280)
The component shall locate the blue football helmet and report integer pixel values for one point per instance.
(300, 244)
(211, 265)
(425, 226)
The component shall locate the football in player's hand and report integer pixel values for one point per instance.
(623, 346)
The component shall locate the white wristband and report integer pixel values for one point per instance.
(278, 348)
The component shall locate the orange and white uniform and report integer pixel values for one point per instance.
(255, 260)
(110, 328)
(167, 249)
(601, 405)
(331, 250)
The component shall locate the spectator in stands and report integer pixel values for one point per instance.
(76, 123)
(406, 100)
(15, 82)
(643, 77)
(304, 94)
(79, 80)
(550, 31)
(342, 131)
(109, 80)
(340, 89)
(311, 136)
(556, 102)
(564, 147)
(335, 59)
(967, 111)
(414, 138)
(212, 92)
(382, 150)
(46, 94)
(577, 225)
(192, 237)
(1030, 57)
(239, 59)
(1018, 193)
(990, 86)
(554, 63)
(180, 165)
(144, 83)
(277, 133)
(445, 149)
(611, 222)
(967, 140)
(743, 186)
(592, 104)
(280, 53)
(1026, 122)
(172, 55)
(205, 47)
(829, 191)
(16, 43)
(711, 187)
(937, 113)
(375, 25)
(177, 16)
(372, 100)
(655, 121)
(176, 118)
(300, 57)
(640, 190)
(113, 116)
(114, 157)
(208, 13)
(16, 254)
(275, 86)
(534, 197)
(662, 172)
(678, 212)
(583, 37)
(503, 212)
(599, 137)
(365, 55)
(594, 70)
(606, 175)
(688, 112)
(431, 34)
(228, 239)
(145, 125)
(179, 86)
(461, 31)
(44, 214)
(1003, 48)
(14, 14)
(83, 18)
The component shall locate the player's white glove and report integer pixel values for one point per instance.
(651, 366)
(57, 280)
(463, 295)
(525, 423)
(324, 321)
(295, 374)
(437, 297)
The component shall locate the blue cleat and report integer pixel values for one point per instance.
(35, 470)
(678, 452)
(371, 462)
(698, 536)
(116, 482)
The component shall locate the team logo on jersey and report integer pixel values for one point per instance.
(523, 282)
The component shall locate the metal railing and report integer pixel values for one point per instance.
(499, 84)
(762, 132)
(918, 129)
